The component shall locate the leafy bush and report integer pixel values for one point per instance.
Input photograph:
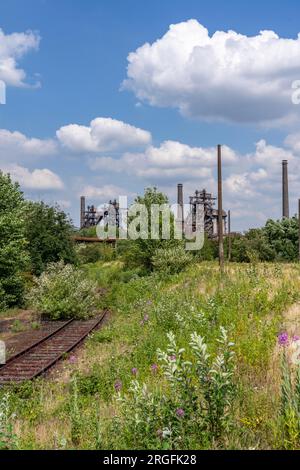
(13, 245)
(49, 233)
(62, 292)
(171, 260)
(93, 252)
(277, 241)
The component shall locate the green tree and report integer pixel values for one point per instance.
(49, 233)
(283, 236)
(13, 245)
(254, 244)
(141, 252)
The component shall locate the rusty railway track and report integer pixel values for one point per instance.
(37, 358)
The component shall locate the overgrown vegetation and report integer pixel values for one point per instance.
(13, 244)
(63, 292)
(48, 231)
(141, 252)
(189, 359)
(277, 241)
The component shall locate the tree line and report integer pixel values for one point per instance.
(34, 234)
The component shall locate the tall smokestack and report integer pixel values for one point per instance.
(180, 214)
(285, 190)
(82, 211)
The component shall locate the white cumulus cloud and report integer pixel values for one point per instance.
(225, 76)
(103, 193)
(170, 160)
(17, 145)
(103, 134)
(38, 179)
(12, 48)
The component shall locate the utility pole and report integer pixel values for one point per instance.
(229, 235)
(220, 211)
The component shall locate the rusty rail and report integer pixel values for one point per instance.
(42, 355)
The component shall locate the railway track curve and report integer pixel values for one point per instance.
(37, 358)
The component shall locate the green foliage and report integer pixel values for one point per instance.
(289, 415)
(48, 231)
(171, 260)
(140, 252)
(138, 386)
(209, 251)
(63, 292)
(93, 252)
(13, 245)
(199, 398)
(277, 241)
(7, 437)
(283, 238)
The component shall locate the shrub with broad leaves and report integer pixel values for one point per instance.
(171, 260)
(63, 292)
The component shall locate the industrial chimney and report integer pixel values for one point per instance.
(180, 213)
(82, 211)
(285, 190)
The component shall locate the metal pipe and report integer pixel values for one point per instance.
(285, 190)
(220, 210)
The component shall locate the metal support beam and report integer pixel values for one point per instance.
(220, 210)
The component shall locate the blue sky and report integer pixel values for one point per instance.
(80, 63)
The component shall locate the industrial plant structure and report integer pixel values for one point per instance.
(91, 217)
(202, 202)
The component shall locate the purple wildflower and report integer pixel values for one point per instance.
(134, 371)
(180, 413)
(118, 386)
(145, 320)
(295, 338)
(283, 339)
(172, 358)
(154, 368)
(72, 359)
